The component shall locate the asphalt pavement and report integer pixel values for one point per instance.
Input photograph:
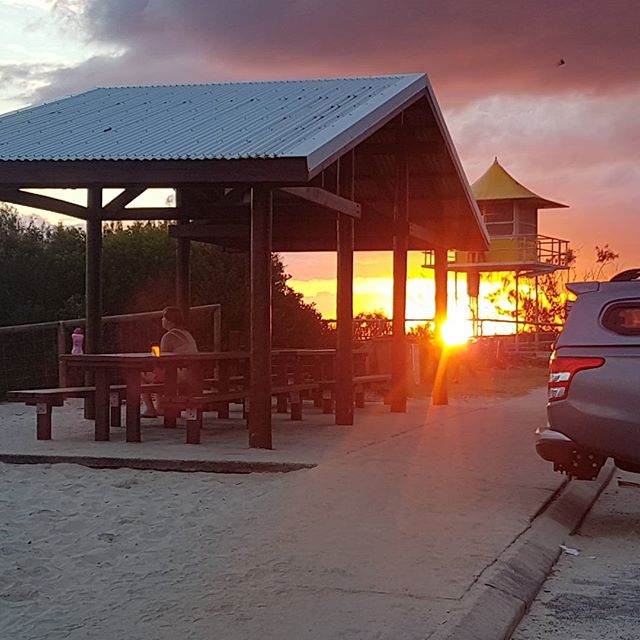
(592, 592)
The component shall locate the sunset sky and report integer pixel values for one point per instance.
(569, 132)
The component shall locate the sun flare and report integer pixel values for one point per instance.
(456, 331)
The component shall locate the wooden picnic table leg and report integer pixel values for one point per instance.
(114, 405)
(102, 405)
(195, 384)
(223, 387)
(132, 378)
(296, 405)
(171, 390)
(43, 421)
(194, 425)
(317, 376)
(281, 379)
(327, 399)
(359, 396)
(89, 401)
(328, 373)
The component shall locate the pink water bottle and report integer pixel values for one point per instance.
(77, 340)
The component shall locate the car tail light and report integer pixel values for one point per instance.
(562, 369)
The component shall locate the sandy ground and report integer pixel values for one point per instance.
(594, 595)
(381, 540)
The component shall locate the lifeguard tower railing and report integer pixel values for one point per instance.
(511, 251)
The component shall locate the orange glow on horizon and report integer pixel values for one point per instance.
(375, 294)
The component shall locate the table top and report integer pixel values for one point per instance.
(146, 359)
(303, 352)
(136, 360)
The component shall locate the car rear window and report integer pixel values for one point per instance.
(623, 318)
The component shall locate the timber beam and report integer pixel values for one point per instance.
(46, 203)
(124, 198)
(326, 199)
(210, 230)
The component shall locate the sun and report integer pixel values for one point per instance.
(456, 331)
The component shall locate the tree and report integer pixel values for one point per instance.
(605, 262)
(42, 270)
(371, 325)
(551, 295)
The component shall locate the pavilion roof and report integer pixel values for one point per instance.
(210, 139)
(497, 184)
(285, 119)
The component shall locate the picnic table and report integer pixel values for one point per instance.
(106, 367)
(296, 374)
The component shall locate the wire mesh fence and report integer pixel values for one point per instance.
(29, 353)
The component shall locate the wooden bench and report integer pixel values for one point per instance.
(360, 383)
(195, 406)
(45, 399)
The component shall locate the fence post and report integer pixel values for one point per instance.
(217, 328)
(62, 348)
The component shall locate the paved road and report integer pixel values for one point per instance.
(594, 595)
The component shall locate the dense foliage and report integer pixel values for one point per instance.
(42, 269)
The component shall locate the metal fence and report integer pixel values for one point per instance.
(29, 353)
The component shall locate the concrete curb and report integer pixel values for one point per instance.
(158, 464)
(495, 604)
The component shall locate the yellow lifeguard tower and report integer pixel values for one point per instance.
(510, 213)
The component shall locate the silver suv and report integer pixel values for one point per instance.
(594, 381)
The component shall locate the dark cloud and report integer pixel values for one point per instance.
(469, 48)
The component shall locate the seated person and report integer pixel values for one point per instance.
(177, 339)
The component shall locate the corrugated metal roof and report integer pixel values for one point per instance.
(497, 184)
(301, 118)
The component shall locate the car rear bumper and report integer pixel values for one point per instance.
(566, 456)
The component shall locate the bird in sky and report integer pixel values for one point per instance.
(560, 62)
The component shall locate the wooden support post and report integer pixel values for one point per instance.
(400, 249)
(183, 271)
(440, 393)
(260, 384)
(93, 285)
(344, 299)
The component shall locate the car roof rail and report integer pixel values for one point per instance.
(626, 276)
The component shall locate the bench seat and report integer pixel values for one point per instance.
(360, 383)
(194, 406)
(45, 399)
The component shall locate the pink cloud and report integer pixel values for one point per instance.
(470, 49)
